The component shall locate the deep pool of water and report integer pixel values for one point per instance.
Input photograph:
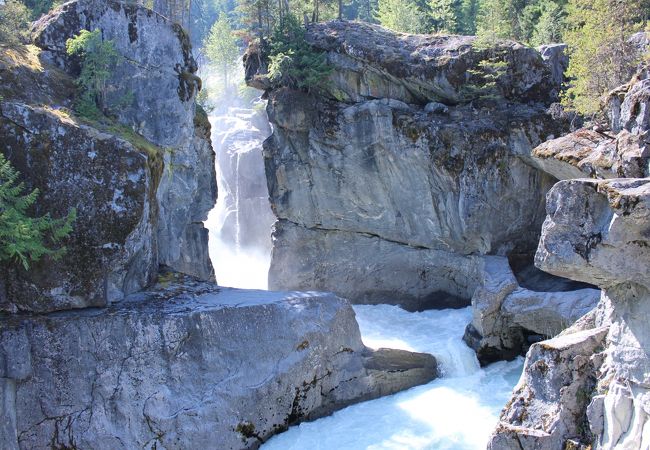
(457, 411)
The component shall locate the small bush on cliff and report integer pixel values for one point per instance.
(14, 22)
(292, 61)
(98, 58)
(24, 239)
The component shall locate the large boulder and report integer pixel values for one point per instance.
(151, 90)
(189, 365)
(596, 231)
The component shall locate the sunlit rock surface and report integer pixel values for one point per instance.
(620, 151)
(596, 231)
(363, 175)
(109, 179)
(189, 365)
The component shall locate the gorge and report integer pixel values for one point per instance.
(425, 236)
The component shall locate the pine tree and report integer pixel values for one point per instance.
(495, 20)
(467, 16)
(14, 22)
(444, 14)
(401, 15)
(600, 56)
(98, 57)
(25, 239)
(221, 48)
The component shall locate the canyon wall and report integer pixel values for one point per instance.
(588, 387)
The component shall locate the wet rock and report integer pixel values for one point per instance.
(189, 364)
(595, 232)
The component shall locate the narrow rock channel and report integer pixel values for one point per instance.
(457, 411)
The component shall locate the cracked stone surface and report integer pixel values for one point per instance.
(188, 365)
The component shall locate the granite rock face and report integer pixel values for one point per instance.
(367, 168)
(189, 365)
(154, 84)
(132, 214)
(596, 231)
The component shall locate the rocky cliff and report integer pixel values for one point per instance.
(142, 179)
(90, 360)
(588, 387)
(390, 181)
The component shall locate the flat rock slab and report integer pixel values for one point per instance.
(188, 365)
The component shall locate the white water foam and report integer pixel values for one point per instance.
(458, 411)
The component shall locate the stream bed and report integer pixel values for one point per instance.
(457, 411)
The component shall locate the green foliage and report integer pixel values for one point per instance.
(495, 20)
(292, 61)
(221, 49)
(484, 81)
(401, 15)
(600, 57)
(14, 22)
(467, 17)
(98, 58)
(25, 239)
(444, 15)
(41, 7)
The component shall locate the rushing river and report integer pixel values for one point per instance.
(457, 411)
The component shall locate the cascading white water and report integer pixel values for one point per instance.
(455, 412)
(240, 224)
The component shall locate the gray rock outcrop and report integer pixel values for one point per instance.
(589, 386)
(382, 198)
(506, 315)
(132, 214)
(620, 150)
(189, 365)
(154, 85)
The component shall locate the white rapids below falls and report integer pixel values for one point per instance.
(457, 411)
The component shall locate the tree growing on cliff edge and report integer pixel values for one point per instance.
(25, 239)
(98, 57)
(600, 55)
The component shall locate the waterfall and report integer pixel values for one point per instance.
(240, 223)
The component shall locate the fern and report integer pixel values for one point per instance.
(24, 239)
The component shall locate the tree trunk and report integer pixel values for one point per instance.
(340, 9)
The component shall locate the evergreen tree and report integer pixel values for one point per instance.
(467, 17)
(292, 61)
(24, 239)
(98, 58)
(401, 15)
(14, 22)
(444, 15)
(550, 24)
(221, 48)
(494, 20)
(600, 56)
